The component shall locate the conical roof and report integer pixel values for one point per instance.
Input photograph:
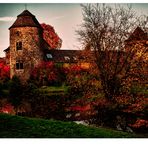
(138, 34)
(26, 19)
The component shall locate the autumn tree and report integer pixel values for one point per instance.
(77, 79)
(106, 28)
(51, 37)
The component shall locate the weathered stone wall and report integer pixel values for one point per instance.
(7, 57)
(31, 53)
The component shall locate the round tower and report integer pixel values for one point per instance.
(26, 38)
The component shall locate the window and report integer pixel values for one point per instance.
(18, 45)
(49, 56)
(18, 33)
(66, 58)
(19, 65)
(75, 58)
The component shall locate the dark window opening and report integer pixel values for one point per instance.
(18, 33)
(19, 65)
(67, 58)
(19, 46)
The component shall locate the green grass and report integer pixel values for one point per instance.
(140, 90)
(53, 90)
(22, 127)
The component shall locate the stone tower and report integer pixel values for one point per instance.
(25, 45)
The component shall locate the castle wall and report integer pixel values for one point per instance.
(31, 53)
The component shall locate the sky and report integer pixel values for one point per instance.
(64, 17)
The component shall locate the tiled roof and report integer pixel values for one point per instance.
(138, 34)
(26, 19)
(60, 55)
(26, 13)
(7, 49)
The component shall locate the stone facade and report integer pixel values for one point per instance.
(28, 48)
(30, 53)
(26, 45)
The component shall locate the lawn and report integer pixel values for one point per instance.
(51, 90)
(23, 127)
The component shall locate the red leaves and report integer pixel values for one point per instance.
(4, 70)
(75, 68)
(45, 71)
(138, 106)
(51, 37)
(140, 123)
(101, 102)
(7, 108)
(80, 108)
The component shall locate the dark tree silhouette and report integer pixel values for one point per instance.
(105, 30)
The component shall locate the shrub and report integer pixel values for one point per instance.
(46, 73)
(81, 83)
(140, 125)
(15, 92)
(4, 71)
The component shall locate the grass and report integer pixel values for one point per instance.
(140, 90)
(54, 88)
(50, 90)
(22, 127)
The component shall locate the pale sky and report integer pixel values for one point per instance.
(65, 18)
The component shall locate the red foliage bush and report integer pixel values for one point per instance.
(137, 106)
(7, 108)
(80, 108)
(50, 72)
(45, 73)
(140, 123)
(4, 70)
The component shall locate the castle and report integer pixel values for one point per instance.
(28, 48)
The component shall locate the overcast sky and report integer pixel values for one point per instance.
(65, 18)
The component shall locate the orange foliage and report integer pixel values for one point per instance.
(51, 37)
(140, 123)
